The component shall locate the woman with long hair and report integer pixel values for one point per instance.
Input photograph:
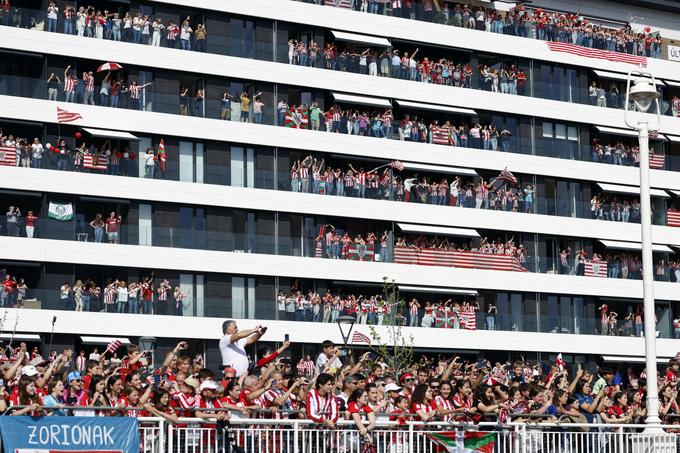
(464, 402)
(363, 417)
(28, 396)
(444, 401)
(422, 403)
(160, 407)
(55, 398)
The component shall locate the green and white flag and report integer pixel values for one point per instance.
(60, 211)
(464, 441)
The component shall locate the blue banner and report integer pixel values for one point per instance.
(63, 434)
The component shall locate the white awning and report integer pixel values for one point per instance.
(440, 169)
(620, 245)
(624, 132)
(363, 39)
(436, 108)
(671, 83)
(672, 138)
(20, 336)
(102, 340)
(116, 135)
(433, 289)
(631, 190)
(440, 230)
(615, 131)
(362, 100)
(635, 359)
(611, 75)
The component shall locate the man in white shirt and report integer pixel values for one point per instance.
(95, 355)
(233, 344)
(328, 353)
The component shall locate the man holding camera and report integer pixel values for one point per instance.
(233, 344)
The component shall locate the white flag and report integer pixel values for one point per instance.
(60, 211)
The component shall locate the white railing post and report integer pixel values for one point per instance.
(410, 438)
(296, 437)
(161, 436)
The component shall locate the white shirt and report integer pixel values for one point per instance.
(150, 160)
(37, 150)
(94, 356)
(234, 354)
(322, 360)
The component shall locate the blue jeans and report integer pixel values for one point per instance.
(36, 162)
(258, 117)
(136, 36)
(98, 234)
(146, 307)
(490, 322)
(148, 171)
(185, 44)
(52, 25)
(68, 27)
(114, 100)
(133, 307)
(61, 163)
(121, 307)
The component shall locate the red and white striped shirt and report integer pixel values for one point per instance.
(89, 82)
(70, 84)
(134, 91)
(163, 292)
(68, 14)
(109, 295)
(336, 117)
(320, 408)
(361, 177)
(304, 172)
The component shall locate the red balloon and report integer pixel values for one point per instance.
(78, 135)
(133, 156)
(648, 29)
(55, 150)
(119, 154)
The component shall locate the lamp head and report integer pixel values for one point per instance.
(345, 323)
(643, 94)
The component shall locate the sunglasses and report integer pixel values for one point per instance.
(409, 380)
(434, 387)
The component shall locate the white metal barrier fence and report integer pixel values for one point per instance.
(301, 436)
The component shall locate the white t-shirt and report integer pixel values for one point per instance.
(234, 354)
(94, 356)
(322, 360)
(150, 160)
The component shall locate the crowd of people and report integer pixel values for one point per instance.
(311, 175)
(536, 23)
(333, 387)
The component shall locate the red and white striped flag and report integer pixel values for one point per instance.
(657, 161)
(111, 348)
(339, 3)
(358, 337)
(596, 268)
(597, 53)
(100, 163)
(64, 116)
(468, 319)
(673, 218)
(8, 156)
(396, 164)
(440, 135)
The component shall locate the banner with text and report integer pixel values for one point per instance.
(64, 434)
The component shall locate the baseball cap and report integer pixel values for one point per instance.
(207, 385)
(73, 376)
(392, 387)
(191, 382)
(29, 370)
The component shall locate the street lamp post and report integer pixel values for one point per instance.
(345, 324)
(644, 94)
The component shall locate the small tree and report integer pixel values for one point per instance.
(393, 347)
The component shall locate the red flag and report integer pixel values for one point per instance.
(559, 363)
(64, 116)
(8, 156)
